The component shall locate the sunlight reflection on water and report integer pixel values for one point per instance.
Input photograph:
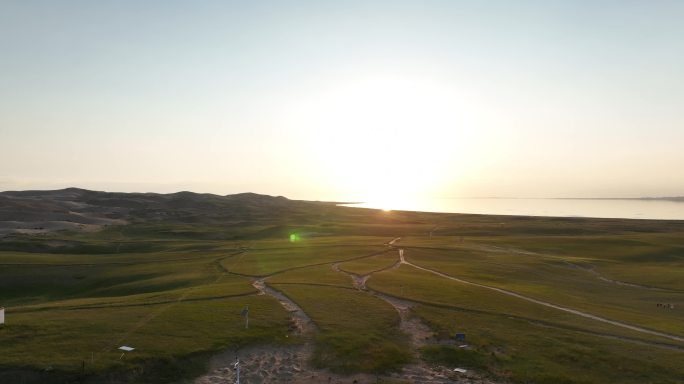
(604, 208)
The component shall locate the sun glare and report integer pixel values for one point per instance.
(395, 138)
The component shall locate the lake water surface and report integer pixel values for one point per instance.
(605, 208)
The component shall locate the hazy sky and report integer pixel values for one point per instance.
(344, 99)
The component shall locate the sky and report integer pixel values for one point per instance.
(344, 100)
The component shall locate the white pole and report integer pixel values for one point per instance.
(237, 367)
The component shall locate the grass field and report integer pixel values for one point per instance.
(528, 352)
(358, 333)
(264, 262)
(563, 280)
(371, 264)
(175, 293)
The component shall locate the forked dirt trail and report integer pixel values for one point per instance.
(419, 335)
(270, 364)
(402, 260)
(547, 304)
(303, 323)
(411, 325)
(290, 364)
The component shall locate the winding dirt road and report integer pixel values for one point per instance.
(301, 320)
(289, 364)
(419, 335)
(545, 303)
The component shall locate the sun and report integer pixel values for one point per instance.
(386, 139)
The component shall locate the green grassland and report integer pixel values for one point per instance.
(529, 352)
(315, 275)
(371, 264)
(174, 291)
(265, 262)
(425, 288)
(358, 332)
(563, 280)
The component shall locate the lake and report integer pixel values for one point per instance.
(604, 208)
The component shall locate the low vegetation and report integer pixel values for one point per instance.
(173, 286)
(358, 332)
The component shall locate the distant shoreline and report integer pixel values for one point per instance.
(673, 198)
(616, 208)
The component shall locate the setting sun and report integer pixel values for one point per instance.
(397, 137)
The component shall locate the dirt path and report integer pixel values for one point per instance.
(391, 243)
(358, 281)
(656, 344)
(402, 260)
(289, 364)
(270, 364)
(592, 270)
(419, 335)
(278, 364)
(418, 332)
(547, 304)
(411, 325)
(305, 326)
